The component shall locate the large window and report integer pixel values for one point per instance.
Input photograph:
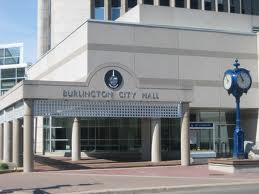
(164, 2)
(116, 8)
(170, 138)
(195, 4)
(99, 9)
(150, 2)
(111, 134)
(223, 5)
(235, 6)
(250, 7)
(132, 3)
(10, 77)
(219, 139)
(209, 5)
(9, 56)
(255, 7)
(179, 3)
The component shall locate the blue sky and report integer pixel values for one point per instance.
(18, 23)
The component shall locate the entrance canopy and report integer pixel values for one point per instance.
(76, 99)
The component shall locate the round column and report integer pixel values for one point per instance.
(7, 142)
(172, 3)
(28, 138)
(43, 27)
(124, 7)
(1, 142)
(16, 142)
(185, 139)
(76, 151)
(156, 140)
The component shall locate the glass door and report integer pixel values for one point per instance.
(201, 139)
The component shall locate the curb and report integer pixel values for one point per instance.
(161, 189)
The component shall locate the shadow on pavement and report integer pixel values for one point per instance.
(42, 189)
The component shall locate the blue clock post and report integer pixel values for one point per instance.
(237, 81)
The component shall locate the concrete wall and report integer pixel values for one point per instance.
(191, 18)
(180, 57)
(66, 16)
(65, 62)
(160, 57)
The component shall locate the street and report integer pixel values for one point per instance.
(243, 189)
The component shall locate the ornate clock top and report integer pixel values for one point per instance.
(236, 64)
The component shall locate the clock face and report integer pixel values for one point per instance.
(227, 81)
(244, 80)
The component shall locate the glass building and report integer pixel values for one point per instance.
(114, 8)
(12, 68)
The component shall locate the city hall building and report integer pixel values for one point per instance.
(147, 86)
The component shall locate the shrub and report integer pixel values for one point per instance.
(3, 166)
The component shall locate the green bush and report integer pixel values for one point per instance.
(3, 166)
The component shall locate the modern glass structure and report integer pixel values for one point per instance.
(12, 68)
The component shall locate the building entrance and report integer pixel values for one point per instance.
(116, 136)
(111, 135)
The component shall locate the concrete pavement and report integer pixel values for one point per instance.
(129, 180)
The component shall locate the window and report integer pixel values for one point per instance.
(249, 7)
(132, 3)
(99, 9)
(12, 60)
(235, 6)
(1, 53)
(223, 5)
(12, 52)
(179, 3)
(8, 73)
(195, 4)
(150, 2)
(7, 84)
(255, 7)
(9, 56)
(20, 72)
(210, 5)
(165, 2)
(116, 8)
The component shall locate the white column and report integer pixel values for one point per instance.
(76, 150)
(172, 3)
(124, 6)
(1, 142)
(16, 142)
(107, 9)
(145, 139)
(202, 4)
(28, 155)
(140, 1)
(188, 4)
(43, 27)
(90, 8)
(39, 136)
(157, 2)
(7, 142)
(185, 139)
(156, 140)
(216, 6)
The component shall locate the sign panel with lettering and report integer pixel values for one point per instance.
(201, 125)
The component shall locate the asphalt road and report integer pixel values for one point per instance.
(242, 189)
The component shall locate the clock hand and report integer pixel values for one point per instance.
(242, 78)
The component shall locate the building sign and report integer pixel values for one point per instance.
(201, 125)
(109, 95)
(113, 79)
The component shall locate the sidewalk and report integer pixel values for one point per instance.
(130, 180)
